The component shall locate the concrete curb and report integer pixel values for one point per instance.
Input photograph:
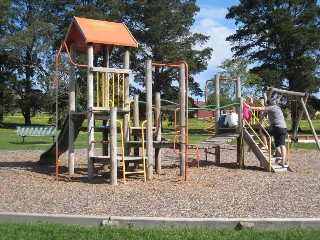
(154, 222)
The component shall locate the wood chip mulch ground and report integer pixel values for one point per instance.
(210, 192)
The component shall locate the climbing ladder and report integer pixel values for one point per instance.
(181, 138)
(124, 160)
(269, 159)
(110, 105)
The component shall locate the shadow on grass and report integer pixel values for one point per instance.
(31, 143)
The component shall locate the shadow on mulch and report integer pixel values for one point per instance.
(101, 176)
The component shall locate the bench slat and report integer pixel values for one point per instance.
(36, 131)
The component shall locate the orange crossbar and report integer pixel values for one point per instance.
(226, 78)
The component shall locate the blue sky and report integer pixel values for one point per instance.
(211, 22)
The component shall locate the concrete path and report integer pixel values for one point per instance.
(144, 222)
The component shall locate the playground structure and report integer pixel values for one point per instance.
(109, 106)
(267, 157)
(224, 135)
(108, 102)
(249, 134)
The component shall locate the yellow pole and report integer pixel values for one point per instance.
(143, 151)
(123, 94)
(97, 89)
(122, 152)
(118, 89)
(288, 152)
(103, 89)
(112, 89)
(108, 89)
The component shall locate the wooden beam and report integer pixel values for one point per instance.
(271, 90)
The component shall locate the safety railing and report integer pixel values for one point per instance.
(122, 150)
(255, 120)
(261, 142)
(125, 172)
(109, 89)
(156, 115)
(143, 150)
(288, 149)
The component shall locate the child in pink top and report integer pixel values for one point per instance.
(246, 111)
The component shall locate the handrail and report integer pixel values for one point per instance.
(156, 122)
(288, 151)
(258, 137)
(288, 148)
(122, 151)
(62, 46)
(268, 136)
(175, 119)
(129, 114)
(143, 151)
(212, 105)
(201, 108)
(177, 131)
(165, 100)
(112, 84)
(228, 105)
(97, 89)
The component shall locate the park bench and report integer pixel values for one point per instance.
(36, 131)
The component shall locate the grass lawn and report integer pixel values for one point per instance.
(46, 231)
(10, 141)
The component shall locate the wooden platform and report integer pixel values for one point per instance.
(218, 140)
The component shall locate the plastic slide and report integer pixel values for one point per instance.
(48, 157)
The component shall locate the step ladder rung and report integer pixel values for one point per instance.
(263, 155)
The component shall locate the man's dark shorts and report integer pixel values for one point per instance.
(279, 135)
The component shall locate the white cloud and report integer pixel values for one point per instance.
(217, 41)
(207, 11)
(211, 22)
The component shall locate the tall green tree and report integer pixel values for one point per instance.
(6, 75)
(238, 67)
(28, 41)
(231, 68)
(282, 39)
(36, 29)
(162, 29)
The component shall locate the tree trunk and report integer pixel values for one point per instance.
(26, 112)
(1, 118)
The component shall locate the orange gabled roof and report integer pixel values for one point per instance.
(83, 31)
